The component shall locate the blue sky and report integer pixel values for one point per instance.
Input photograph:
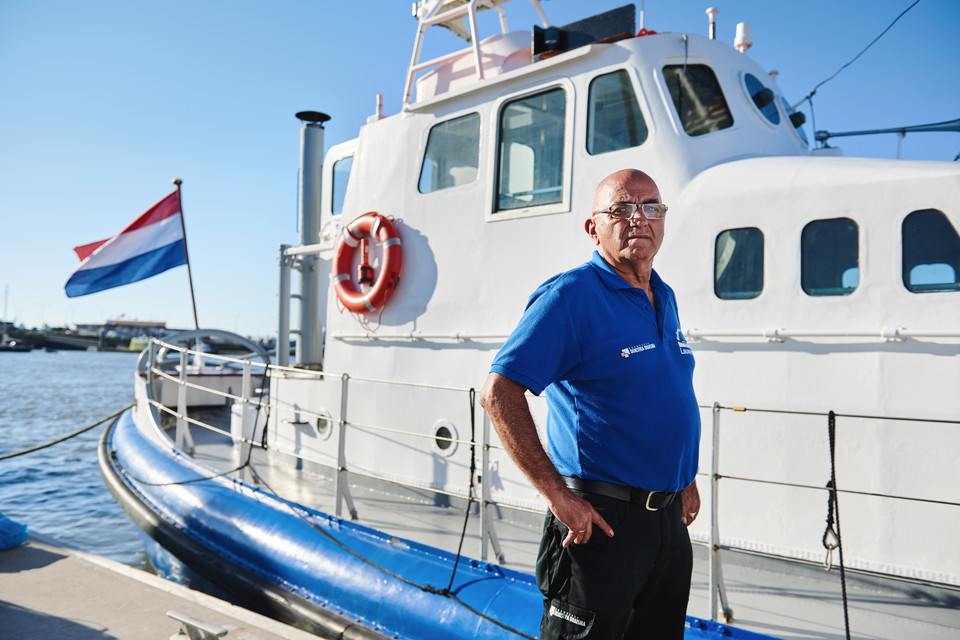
(103, 102)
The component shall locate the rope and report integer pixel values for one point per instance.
(831, 536)
(176, 483)
(471, 488)
(789, 412)
(67, 437)
(423, 587)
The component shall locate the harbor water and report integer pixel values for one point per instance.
(58, 491)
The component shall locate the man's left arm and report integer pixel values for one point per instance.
(690, 497)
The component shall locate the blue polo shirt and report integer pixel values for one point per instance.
(618, 377)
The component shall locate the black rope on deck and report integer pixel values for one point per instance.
(471, 489)
(66, 437)
(147, 483)
(247, 464)
(423, 587)
(831, 536)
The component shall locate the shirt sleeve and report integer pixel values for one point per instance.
(543, 348)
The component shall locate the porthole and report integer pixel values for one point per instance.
(762, 98)
(445, 437)
(324, 424)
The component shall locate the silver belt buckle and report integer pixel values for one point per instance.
(647, 505)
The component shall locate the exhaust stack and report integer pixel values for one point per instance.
(310, 344)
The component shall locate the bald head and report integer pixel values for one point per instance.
(617, 186)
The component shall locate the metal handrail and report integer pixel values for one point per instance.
(779, 334)
(338, 462)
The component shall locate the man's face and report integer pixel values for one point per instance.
(637, 239)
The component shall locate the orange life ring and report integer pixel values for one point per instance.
(369, 225)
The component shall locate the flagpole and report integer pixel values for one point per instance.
(186, 255)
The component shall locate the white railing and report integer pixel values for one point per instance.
(775, 334)
(177, 371)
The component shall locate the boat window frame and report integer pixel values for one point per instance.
(333, 182)
(807, 242)
(493, 161)
(675, 116)
(774, 102)
(797, 130)
(333, 155)
(905, 273)
(639, 100)
(740, 296)
(447, 118)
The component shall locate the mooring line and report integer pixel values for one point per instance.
(67, 437)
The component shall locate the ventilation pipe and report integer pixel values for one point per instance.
(712, 15)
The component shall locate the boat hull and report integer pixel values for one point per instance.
(315, 571)
(290, 563)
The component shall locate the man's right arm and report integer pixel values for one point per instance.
(505, 402)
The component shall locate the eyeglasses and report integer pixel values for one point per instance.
(626, 210)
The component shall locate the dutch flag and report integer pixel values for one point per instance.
(149, 245)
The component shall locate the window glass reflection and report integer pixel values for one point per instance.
(738, 264)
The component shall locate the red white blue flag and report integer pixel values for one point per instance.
(149, 245)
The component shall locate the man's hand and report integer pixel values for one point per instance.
(504, 401)
(579, 516)
(690, 497)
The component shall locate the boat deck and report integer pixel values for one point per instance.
(781, 598)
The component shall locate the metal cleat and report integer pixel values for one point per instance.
(195, 629)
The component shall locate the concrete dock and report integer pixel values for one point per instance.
(48, 591)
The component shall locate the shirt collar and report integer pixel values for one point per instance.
(614, 280)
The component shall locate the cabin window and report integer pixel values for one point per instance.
(931, 252)
(829, 257)
(614, 120)
(738, 264)
(341, 176)
(796, 119)
(762, 98)
(530, 165)
(452, 157)
(697, 98)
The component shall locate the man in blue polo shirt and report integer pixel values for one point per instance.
(623, 428)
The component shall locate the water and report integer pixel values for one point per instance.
(58, 491)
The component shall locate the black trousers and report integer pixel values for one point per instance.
(634, 585)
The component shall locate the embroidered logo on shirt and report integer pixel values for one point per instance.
(625, 353)
(682, 343)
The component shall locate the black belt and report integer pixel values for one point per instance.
(652, 500)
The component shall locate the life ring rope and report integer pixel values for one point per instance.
(370, 225)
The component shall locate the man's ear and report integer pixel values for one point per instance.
(590, 226)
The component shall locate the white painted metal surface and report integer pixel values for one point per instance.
(882, 350)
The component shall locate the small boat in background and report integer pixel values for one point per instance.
(13, 346)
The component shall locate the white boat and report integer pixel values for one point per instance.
(359, 489)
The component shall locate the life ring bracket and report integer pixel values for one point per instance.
(369, 226)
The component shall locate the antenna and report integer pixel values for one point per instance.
(743, 41)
